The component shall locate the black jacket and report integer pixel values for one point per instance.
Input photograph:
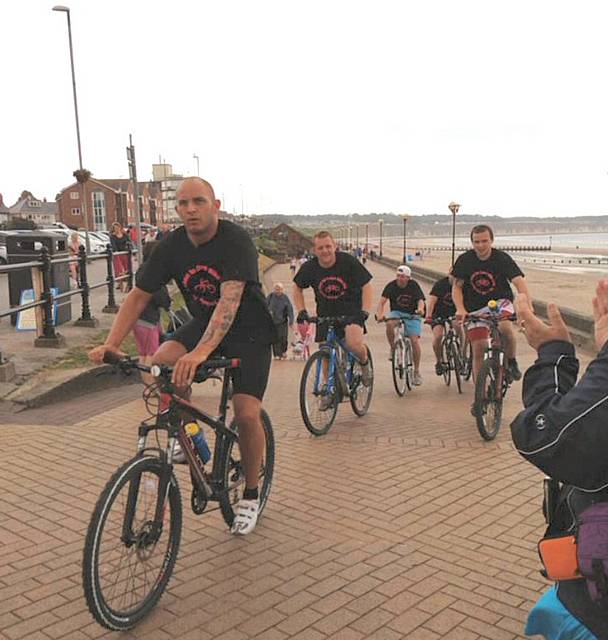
(563, 430)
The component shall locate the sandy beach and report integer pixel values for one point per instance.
(570, 286)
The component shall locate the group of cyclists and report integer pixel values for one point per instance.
(214, 264)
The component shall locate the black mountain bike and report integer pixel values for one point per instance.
(494, 376)
(452, 360)
(134, 534)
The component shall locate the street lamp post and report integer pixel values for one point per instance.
(366, 237)
(453, 207)
(83, 174)
(198, 168)
(405, 217)
(381, 237)
(357, 231)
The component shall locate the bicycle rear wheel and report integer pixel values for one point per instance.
(128, 557)
(445, 361)
(318, 405)
(232, 473)
(398, 367)
(361, 394)
(488, 399)
(455, 364)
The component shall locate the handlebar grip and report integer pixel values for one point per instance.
(109, 357)
(222, 363)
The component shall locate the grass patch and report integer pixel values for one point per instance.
(77, 357)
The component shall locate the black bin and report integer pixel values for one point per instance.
(25, 246)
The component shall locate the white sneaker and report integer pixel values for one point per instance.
(417, 380)
(245, 518)
(179, 457)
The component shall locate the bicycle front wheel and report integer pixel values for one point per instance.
(232, 472)
(455, 364)
(445, 361)
(318, 404)
(361, 393)
(467, 360)
(398, 367)
(409, 364)
(129, 555)
(488, 400)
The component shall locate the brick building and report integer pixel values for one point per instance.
(110, 201)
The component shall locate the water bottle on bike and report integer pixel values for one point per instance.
(198, 439)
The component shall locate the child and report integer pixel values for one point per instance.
(147, 329)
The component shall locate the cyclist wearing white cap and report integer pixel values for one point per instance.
(406, 298)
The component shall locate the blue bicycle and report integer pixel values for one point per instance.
(332, 374)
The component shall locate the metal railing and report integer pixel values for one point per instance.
(48, 336)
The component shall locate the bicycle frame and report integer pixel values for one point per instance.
(171, 419)
(333, 345)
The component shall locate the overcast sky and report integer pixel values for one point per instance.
(319, 106)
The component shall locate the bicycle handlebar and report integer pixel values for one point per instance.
(407, 316)
(334, 319)
(164, 371)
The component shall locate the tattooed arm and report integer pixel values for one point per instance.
(221, 320)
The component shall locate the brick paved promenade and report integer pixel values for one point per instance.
(403, 524)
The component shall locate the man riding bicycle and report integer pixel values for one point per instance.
(342, 287)
(406, 299)
(440, 308)
(483, 274)
(214, 264)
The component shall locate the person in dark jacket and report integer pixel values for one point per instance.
(119, 241)
(563, 430)
(281, 311)
(147, 329)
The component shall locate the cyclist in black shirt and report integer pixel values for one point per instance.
(214, 263)
(483, 274)
(342, 287)
(406, 298)
(441, 306)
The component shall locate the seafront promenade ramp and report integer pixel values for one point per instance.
(401, 524)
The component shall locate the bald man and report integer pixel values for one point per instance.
(214, 263)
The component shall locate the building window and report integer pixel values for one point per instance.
(74, 195)
(99, 210)
(75, 211)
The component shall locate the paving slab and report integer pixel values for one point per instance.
(400, 524)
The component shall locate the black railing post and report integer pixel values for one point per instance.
(49, 337)
(85, 320)
(111, 307)
(130, 264)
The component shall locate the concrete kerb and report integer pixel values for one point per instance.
(46, 386)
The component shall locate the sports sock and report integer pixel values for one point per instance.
(251, 494)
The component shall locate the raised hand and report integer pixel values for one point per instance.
(600, 312)
(536, 331)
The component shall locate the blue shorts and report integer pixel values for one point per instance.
(413, 326)
(549, 618)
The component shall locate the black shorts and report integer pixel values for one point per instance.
(321, 330)
(251, 378)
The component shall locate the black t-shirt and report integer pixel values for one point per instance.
(485, 280)
(444, 307)
(403, 298)
(200, 271)
(338, 288)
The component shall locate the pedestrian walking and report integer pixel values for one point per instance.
(281, 311)
(119, 242)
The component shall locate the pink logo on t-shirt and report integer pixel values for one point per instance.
(332, 287)
(203, 283)
(483, 282)
(403, 300)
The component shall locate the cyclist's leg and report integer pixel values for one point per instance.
(247, 413)
(459, 330)
(438, 332)
(354, 341)
(477, 336)
(250, 381)
(168, 354)
(416, 352)
(391, 325)
(508, 338)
